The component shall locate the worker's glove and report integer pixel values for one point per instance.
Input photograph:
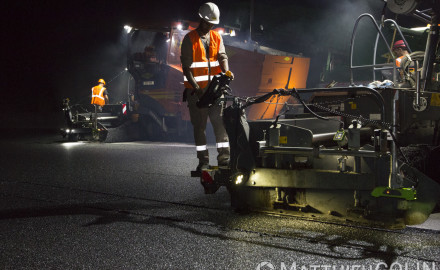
(230, 74)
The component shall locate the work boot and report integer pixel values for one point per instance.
(223, 163)
(202, 166)
(198, 172)
(223, 156)
(203, 157)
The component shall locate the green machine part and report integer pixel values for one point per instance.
(408, 194)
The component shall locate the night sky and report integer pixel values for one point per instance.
(58, 49)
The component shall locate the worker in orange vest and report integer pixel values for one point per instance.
(99, 99)
(403, 61)
(203, 55)
(400, 50)
(100, 94)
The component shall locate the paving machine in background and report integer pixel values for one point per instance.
(357, 154)
(82, 123)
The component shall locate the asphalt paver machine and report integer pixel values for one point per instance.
(376, 163)
(83, 123)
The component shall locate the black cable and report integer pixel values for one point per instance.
(267, 107)
(305, 106)
(276, 105)
(387, 126)
(283, 113)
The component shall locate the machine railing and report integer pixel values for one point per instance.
(377, 41)
(374, 65)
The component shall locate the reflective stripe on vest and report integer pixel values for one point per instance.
(201, 64)
(200, 78)
(204, 64)
(398, 61)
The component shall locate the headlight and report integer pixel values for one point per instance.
(239, 179)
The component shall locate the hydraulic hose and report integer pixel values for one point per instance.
(307, 107)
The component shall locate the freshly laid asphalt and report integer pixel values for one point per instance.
(134, 205)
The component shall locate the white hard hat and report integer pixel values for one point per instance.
(210, 13)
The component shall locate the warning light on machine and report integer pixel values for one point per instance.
(239, 179)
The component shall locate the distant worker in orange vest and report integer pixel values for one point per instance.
(99, 99)
(400, 50)
(100, 94)
(203, 55)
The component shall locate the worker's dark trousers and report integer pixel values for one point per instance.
(199, 119)
(95, 117)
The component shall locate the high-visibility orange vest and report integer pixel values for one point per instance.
(199, 67)
(98, 95)
(399, 60)
(399, 64)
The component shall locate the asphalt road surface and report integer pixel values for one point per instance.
(134, 206)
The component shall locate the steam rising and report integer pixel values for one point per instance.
(106, 61)
(310, 28)
(317, 24)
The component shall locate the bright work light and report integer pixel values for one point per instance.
(128, 28)
(239, 179)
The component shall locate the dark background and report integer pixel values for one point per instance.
(57, 49)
